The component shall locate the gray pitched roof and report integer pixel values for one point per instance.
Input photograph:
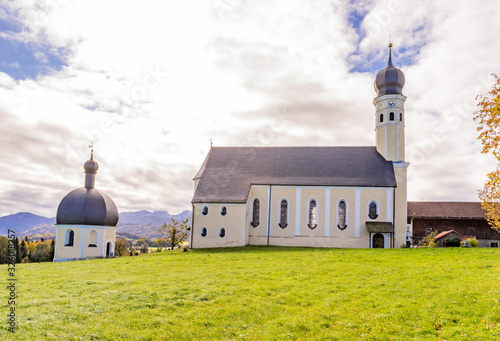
(228, 172)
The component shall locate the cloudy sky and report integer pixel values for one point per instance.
(149, 83)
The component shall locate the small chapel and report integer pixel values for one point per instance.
(338, 197)
(86, 221)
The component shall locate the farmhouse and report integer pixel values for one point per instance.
(466, 219)
(86, 221)
(352, 197)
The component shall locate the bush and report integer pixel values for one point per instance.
(404, 246)
(472, 242)
(451, 242)
(429, 239)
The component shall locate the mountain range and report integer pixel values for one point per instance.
(23, 222)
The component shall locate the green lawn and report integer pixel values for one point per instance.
(260, 293)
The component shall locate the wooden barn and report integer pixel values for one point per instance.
(465, 218)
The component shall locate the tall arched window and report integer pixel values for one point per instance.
(255, 212)
(69, 238)
(283, 214)
(223, 210)
(204, 210)
(342, 213)
(313, 213)
(373, 210)
(400, 117)
(381, 118)
(203, 231)
(93, 238)
(391, 116)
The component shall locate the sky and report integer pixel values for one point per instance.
(149, 84)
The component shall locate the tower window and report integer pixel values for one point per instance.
(313, 210)
(255, 212)
(400, 117)
(204, 210)
(93, 238)
(203, 232)
(223, 210)
(69, 238)
(391, 116)
(341, 214)
(283, 214)
(373, 210)
(381, 118)
(222, 232)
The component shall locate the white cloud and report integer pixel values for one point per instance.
(150, 83)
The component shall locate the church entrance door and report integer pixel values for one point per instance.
(378, 241)
(108, 249)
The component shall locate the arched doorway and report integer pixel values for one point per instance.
(108, 250)
(378, 241)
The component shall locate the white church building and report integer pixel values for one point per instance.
(342, 197)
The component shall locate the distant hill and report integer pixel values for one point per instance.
(143, 223)
(22, 221)
(156, 218)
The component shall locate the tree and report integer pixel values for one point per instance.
(159, 244)
(175, 232)
(52, 250)
(23, 249)
(18, 251)
(488, 117)
(121, 247)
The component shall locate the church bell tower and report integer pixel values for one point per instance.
(390, 131)
(390, 112)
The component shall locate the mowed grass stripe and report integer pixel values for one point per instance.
(263, 293)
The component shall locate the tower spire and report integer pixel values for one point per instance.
(90, 168)
(390, 55)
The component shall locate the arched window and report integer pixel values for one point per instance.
(204, 210)
(313, 212)
(373, 210)
(283, 214)
(400, 117)
(341, 215)
(255, 212)
(222, 232)
(391, 116)
(69, 238)
(381, 118)
(203, 231)
(93, 238)
(223, 210)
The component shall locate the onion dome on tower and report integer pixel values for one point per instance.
(87, 205)
(390, 80)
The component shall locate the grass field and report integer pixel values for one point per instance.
(260, 293)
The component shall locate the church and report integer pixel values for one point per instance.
(332, 197)
(86, 221)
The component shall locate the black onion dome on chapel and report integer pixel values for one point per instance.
(87, 205)
(390, 80)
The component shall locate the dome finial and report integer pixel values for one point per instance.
(390, 54)
(90, 168)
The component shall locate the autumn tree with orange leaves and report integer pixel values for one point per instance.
(488, 117)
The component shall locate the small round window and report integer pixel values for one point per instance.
(223, 210)
(204, 210)
(222, 232)
(203, 231)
